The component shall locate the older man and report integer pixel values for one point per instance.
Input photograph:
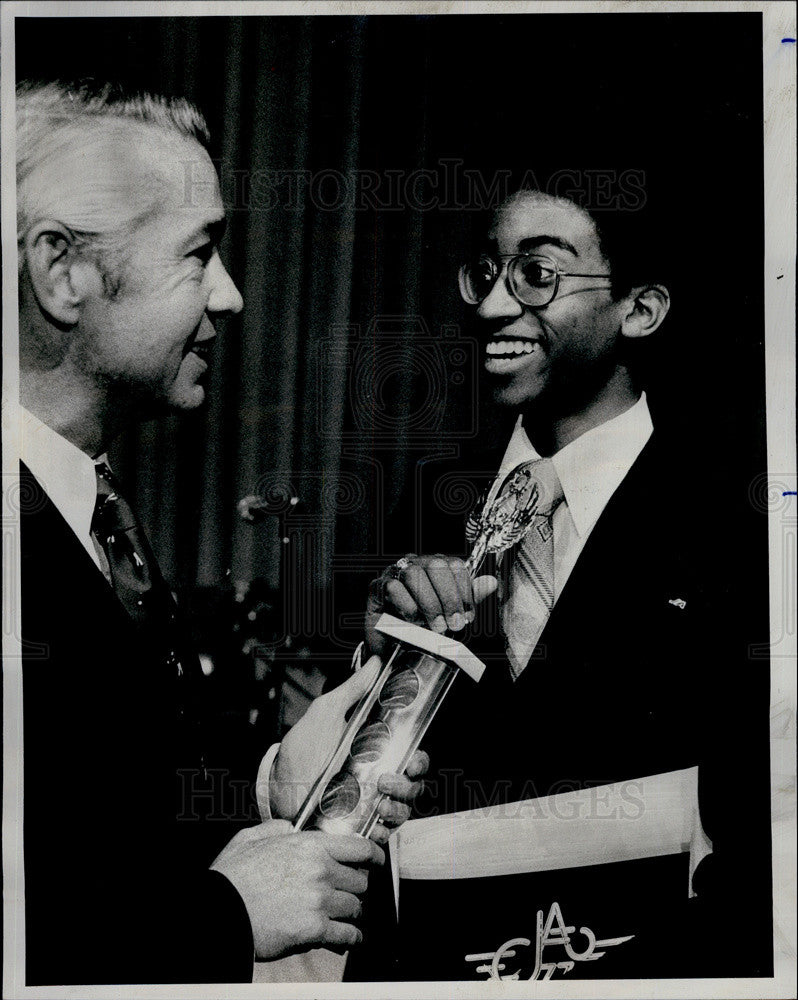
(618, 670)
(120, 280)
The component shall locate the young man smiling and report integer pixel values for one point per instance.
(557, 327)
(546, 285)
(610, 635)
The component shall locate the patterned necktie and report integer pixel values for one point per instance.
(530, 596)
(143, 592)
(135, 576)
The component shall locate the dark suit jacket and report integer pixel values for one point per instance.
(624, 684)
(117, 887)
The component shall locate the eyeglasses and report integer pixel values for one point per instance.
(533, 280)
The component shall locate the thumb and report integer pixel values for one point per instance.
(271, 828)
(354, 687)
(483, 587)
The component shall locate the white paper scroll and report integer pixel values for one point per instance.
(641, 818)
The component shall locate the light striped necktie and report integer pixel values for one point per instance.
(530, 596)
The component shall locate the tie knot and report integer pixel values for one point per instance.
(106, 481)
(544, 476)
(112, 513)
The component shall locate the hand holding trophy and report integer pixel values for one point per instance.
(391, 719)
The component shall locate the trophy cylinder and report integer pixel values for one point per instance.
(409, 697)
(390, 721)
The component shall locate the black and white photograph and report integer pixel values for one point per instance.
(399, 499)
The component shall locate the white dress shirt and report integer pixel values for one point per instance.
(65, 473)
(590, 469)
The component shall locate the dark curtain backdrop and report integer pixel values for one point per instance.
(353, 360)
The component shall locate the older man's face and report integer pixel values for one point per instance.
(566, 350)
(152, 338)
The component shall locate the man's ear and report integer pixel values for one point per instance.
(50, 255)
(649, 307)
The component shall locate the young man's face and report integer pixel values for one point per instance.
(562, 353)
(152, 339)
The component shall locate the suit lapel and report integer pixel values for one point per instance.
(604, 574)
(52, 547)
(68, 603)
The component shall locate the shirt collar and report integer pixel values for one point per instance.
(592, 467)
(64, 471)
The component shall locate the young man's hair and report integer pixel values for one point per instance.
(634, 230)
(59, 125)
(635, 246)
(629, 212)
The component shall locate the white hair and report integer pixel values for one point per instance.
(61, 128)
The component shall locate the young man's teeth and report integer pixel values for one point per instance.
(499, 347)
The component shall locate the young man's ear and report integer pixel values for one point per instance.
(51, 258)
(649, 307)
